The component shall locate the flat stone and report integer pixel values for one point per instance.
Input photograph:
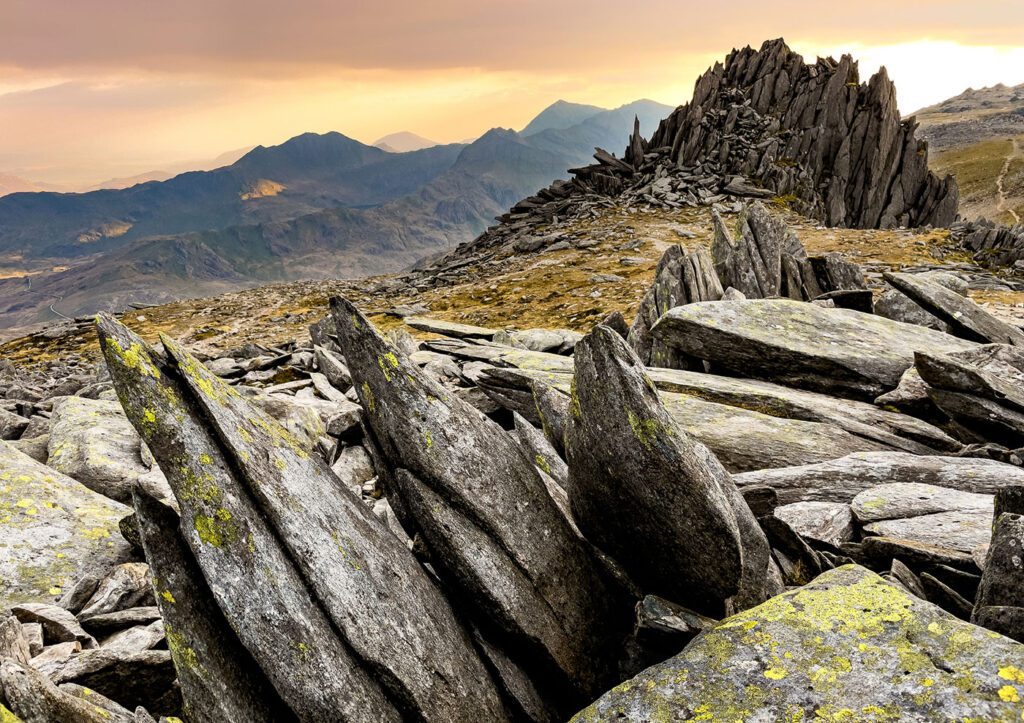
(900, 500)
(59, 625)
(848, 641)
(107, 622)
(960, 531)
(450, 328)
(830, 522)
(835, 351)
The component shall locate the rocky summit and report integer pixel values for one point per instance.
(657, 447)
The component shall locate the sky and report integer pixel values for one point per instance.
(91, 89)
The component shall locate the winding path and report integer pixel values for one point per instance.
(1001, 206)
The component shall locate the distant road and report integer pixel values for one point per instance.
(52, 308)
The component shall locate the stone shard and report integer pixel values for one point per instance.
(480, 507)
(55, 530)
(692, 538)
(219, 679)
(848, 641)
(841, 480)
(829, 522)
(964, 318)
(540, 450)
(1002, 582)
(802, 345)
(59, 625)
(278, 540)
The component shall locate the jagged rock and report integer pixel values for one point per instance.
(945, 597)
(552, 413)
(802, 345)
(1009, 499)
(753, 262)
(59, 625)
(279, 541)
(124, 587)
(75, 597)
(219, 679)
(849, 641)
(13, 642)
(964, 318)
(812, 133)
(136, 639)
(662, 629)
(901, 500)
(92, 442)
(692, 538)
(830, 522)
(895, 305)
(841, 480)
(11, 425)
(332, 368)
(906, 577)
(447, 328)
(1002, 582)
(681, 277)
(38, 448)
(34, 699)
(881, 551)
(456, 479)
(304, 420)
(55, 530)
(554, 341)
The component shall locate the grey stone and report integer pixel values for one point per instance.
(830, 522)
(901, 500)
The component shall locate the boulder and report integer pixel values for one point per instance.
(92, 441)
(55, 530)
(33, 698)
(902, 500)
(124, 587)
(692, 538)
(1001, 593)
(11, 425)
(493, 533)
(131, 679)
(280, 541)
(828, 522)
(835, 351)
(964, 318)
(848, 645)
(841, 480)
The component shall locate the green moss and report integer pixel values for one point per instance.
(218, 530)
(645, 430)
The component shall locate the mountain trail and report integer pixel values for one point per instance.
(1015, 151)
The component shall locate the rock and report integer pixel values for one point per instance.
(135, 639)
(881, 551)
(333, 368)
(354, 467)
(841, 480)
(76, 597)
(802, 345)
(92, 442)
(53, 657)
(552, 413)
(960, 531)
(965, 318)
(692, 538)
(55, 530)
(902, 500)
(301, 419)
(895, 305)
(945, 597)
(1002, 582)
(38, 448)
(540, 450)
(752, 263)
(829, 522)
(11, 425)
(219, 679)
(116, 711)
(457, 476)
(554, 341)
(13, 643)
(130, 679)
(849, 641)
(345, 419)
(124, 587)
(59, 625)
(34, 699)
(1009, 499)
(681, 277)
(267, 528)
(662, 629)
(449, 328)
(106, 622)
(325, 389)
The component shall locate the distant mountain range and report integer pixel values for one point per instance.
(316, 206)
(403, 142)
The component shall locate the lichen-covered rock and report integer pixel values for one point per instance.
(219, 679)
(835, 351)
(54, 530)
(1002, 583)
(691, 537)
(848, 646)
(338, 614)
(93, 442)
(493, 532)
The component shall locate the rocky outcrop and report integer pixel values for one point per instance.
(849, 644)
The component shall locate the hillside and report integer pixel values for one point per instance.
(403, 142)
(397, 209)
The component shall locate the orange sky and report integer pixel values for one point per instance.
(97, 88)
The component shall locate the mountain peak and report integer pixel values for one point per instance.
(403, 142)
(559, 115)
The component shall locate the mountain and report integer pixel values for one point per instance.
(403, 142)
(13, 184)
(315, 207)
(978, 137)
(560, 115)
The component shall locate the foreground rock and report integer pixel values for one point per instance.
(1000, 601)
(55, 531)
(336, 612)
(692, 538)
(847, 646)
(493, 532)
(836, 351)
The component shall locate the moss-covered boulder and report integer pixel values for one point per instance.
(848, 647)
(52, 530)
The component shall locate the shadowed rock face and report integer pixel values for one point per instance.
(337, 613)
(815, 132)
(650, 496)
(493, 532)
